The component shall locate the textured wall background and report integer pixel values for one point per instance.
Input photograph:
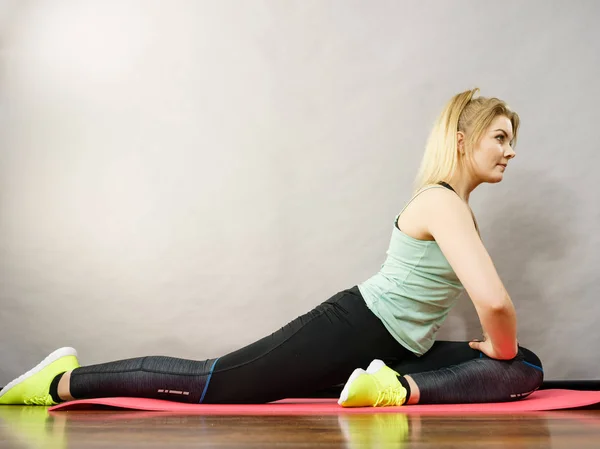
(184, 177)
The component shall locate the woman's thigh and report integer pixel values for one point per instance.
(316, 350)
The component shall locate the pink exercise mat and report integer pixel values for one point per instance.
(540, 400)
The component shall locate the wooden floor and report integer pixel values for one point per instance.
(34, 427)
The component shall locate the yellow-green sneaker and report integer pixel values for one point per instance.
(378, 386)
(32, 388)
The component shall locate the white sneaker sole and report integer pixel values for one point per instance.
(62, 352)
(344, 395)
(375, 366)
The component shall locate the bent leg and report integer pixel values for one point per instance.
(452, 372)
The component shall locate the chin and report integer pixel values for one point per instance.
(494, 179)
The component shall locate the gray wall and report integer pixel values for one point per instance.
(184, 177)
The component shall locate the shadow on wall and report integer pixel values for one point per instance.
(524, 231)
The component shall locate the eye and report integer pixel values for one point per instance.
(501, 137)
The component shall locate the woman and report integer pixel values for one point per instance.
(390, 319)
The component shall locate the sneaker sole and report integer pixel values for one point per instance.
(344, 394)
(59, 353)
(375, 366)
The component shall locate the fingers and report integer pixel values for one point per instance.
(475, 345)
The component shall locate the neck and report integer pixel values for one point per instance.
(463, 183)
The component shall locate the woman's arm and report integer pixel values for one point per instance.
(499, 331)
(450, 223)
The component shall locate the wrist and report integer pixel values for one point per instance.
(506, 351)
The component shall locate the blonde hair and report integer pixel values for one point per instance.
(463, 113)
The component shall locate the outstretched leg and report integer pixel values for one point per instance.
(316, 350)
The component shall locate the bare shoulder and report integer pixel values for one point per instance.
(441, 204)
(430, 204)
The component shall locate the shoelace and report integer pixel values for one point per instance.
(390, 396)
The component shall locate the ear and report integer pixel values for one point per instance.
(460, 143)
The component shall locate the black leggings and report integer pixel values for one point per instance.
(314, 352)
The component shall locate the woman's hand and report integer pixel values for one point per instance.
(488, 349)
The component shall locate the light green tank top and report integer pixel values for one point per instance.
(414, 290)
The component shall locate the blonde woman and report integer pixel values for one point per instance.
(388, 322)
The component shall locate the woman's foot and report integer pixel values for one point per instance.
(33, 387)
(378, 386)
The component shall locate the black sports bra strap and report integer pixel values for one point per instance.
(448, 186)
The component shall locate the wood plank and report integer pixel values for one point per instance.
(34, 427)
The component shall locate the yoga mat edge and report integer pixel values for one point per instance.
(538, 401)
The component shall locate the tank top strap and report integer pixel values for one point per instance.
(433, 186)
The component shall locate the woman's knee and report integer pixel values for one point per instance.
(530, 357)
(533, 370)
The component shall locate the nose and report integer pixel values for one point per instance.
(509, 152)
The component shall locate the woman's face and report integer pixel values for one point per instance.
(494, 150)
